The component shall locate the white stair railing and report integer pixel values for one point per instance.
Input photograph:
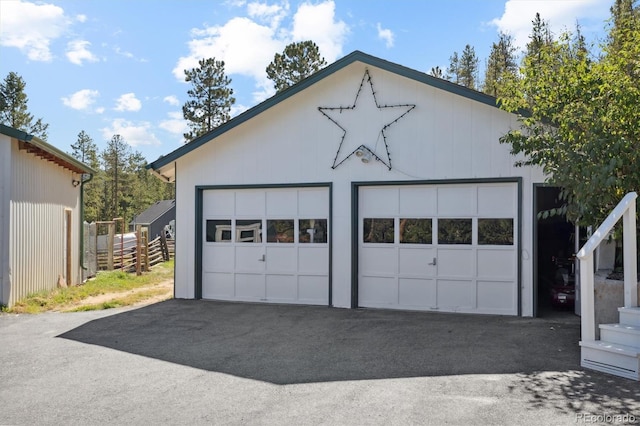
(625, 210)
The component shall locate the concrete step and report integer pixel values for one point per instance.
(630, 316)
(623, 334)
(612, 358)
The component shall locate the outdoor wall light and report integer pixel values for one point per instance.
(75, 182)
(363, 154)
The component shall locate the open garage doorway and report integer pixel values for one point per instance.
(554, 251)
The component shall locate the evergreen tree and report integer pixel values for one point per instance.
(436, 72)
(115, 161)
(13, 107)
(453, 70)
(210, 98)
(468, 68)
(86, 150)
(502, 66)
(297, 62)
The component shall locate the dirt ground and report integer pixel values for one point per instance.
(166, 286)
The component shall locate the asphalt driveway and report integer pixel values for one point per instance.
(203, 362)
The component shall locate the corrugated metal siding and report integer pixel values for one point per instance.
(5, 173)
(40, 192)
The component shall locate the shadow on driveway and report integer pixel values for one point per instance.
(286, 344)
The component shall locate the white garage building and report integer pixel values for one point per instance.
(366, 185)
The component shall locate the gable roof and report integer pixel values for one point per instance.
(40, 148)
(356, 56)
(154, 212)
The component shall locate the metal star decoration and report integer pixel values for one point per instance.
(363, 111)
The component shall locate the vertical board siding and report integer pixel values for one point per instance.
(40, 192)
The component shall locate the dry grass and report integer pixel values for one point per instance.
(107, 290)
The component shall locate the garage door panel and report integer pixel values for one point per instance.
(313, 289)
(496, 263)
(313, 203)
(456, 295)
(250, 287)
(249, 264)
(282, 288)
(416, 293)
(313, 260)
(218, 203)
(248, 258)
(455, 263)
(218, 258)
(497, 201)
(416, 262)
(497, 297)
(250, 203)
(418, 202)
(281, 259)
(456, 201)
(218, 286)
(282, 203)
(378, 291)
(379, 261)
(380, 201)
(472, 238)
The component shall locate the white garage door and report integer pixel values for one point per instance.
(266, 245)
(449, 247)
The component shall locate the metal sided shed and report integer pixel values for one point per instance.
(40, 215)
(368, 184)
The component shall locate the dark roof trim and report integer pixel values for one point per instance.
(48, 152)
(356, 56)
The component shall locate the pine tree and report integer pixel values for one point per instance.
(115, 161)
(86, 150)
(502, 66)
(297, 62)
(211, 98)
(468, 68)
(453, 70)
(436, 72)
(13, 107)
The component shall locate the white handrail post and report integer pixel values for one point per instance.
(587, 304)
(630, 257)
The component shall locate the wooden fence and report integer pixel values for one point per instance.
(131, 251)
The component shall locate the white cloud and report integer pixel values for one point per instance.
(561, 15)
(386, 35)
(77, 51)
(135, 134)
(31, 27)
(175, 124)
(171, 100)
(317, 22)
(81, 100)
(81, 18)
(247, 44)
(270, 14)
(128, 102)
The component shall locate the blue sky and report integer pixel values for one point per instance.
(116, 66)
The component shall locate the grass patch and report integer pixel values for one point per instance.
(104, 283)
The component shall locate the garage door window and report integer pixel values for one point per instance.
(495, 232)
(249, 231)
(454, 231)
(312, 231)
(416, 231)
(280, 231)
(218, 231)
(378, 230)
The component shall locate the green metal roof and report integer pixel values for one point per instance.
(48, 152)
(355, 56)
